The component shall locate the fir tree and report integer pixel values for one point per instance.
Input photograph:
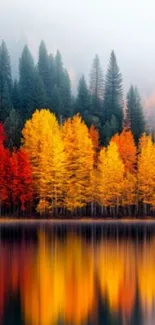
(52, 70)
(56, 101)
(15, 95)
(135, 115)
(96, 86)
(59, 70)
(113, 101)
(44, 71)
(83, 99)
(6, 103)
(13, 126)
(26, 83)
(109, 129)
(96, 79)
(65, 96)
(5, 82)
(40, 97)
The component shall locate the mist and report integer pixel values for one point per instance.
(80, 29)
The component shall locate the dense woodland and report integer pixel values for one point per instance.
(47, 85)
(64, 156)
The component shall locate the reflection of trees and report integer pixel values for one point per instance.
(116, 273)
(146, 276)
(79, 281)
(61, 283)
(66, 280)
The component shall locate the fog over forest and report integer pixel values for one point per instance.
(80, 29)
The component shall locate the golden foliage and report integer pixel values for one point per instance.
(79, 163)
(110, 176)
(42, 140)
(146, 171)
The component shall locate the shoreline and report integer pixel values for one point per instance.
(83, 221)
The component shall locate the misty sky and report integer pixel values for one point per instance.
(82, 28)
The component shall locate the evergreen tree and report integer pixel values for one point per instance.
(96, 79)
(65, 95)
(6, 103)
(113, 101)
(55, 100)
(52, 70)
(44, 71)
(83, 99)
(62, 81)
(15, 95)
(26, 83)
(96, 86)
(5, 82)
(59, 70)
(40, 98)
(135, 114)
(13, 126)
(109, 129)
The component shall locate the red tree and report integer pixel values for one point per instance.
(4, 169)
(21, 179)
(25, 179)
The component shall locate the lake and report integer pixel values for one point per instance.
(77, 274)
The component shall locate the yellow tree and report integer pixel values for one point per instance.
(94, 135)
(44, 145)
(110, 176)
(79, 163)
(129, 197)
(146, 171)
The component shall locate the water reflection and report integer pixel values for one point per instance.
(76, 280)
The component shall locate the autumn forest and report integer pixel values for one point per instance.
(72, 156)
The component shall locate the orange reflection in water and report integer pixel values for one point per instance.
(63, 279)
(116, 273)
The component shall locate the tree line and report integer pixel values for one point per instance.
(47, 84)
(61, 170)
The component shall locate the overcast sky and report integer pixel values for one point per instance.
(82, 28)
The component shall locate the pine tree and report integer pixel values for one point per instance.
(109, 129)
(6, 103)
(135, 115)
(52, 69)
(59, 70)
(13, 126)
(82, 105)
(63, 85)
(16, 95)
(96, 79)
(26, 83)
(96, 87)
(65, 96)
(113, 101)
(40, 97)
(56, 101)
(5, 82)
(44, 72)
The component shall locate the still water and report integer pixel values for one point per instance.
(77, 275)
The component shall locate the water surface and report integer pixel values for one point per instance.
(77, 274)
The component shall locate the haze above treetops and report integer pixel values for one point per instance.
(80, 29)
